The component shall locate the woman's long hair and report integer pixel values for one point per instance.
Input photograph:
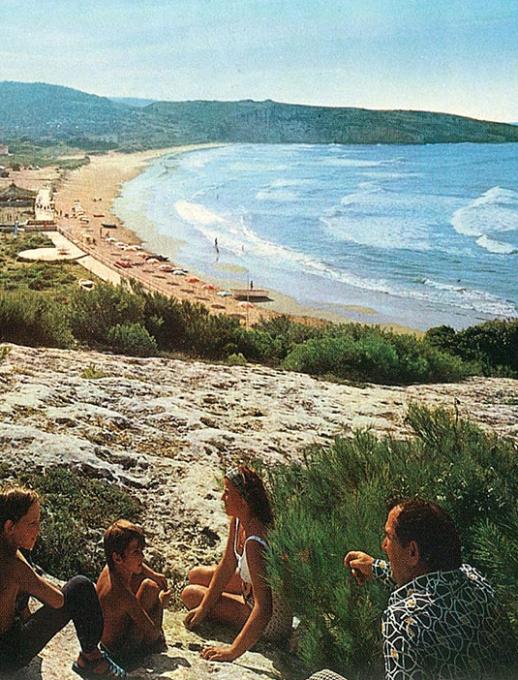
(251, 488)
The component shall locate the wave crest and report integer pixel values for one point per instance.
(494, 212)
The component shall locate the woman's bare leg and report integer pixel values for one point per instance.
(229, 608)
(202, 576)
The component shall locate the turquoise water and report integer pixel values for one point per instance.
(423, 235)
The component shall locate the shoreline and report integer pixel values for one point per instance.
(95, 188)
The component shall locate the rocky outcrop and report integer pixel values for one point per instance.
(165, 429)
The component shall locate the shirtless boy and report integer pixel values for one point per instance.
(132, 595)
(24, 634)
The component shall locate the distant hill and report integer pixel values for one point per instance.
(38, 111)
(268, 121)
(133, 101)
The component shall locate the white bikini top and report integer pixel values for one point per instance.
(242, 563)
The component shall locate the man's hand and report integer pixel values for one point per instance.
(360, 565)
(219, 654)
(194, 617)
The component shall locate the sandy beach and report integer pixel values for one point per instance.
(84, 203)
(84, 200)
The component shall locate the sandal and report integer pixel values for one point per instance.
(88, 671)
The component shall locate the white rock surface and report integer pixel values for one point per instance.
(166, 428)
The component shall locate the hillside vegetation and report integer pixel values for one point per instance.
(43, 305)
(336, 501)
(38, 111)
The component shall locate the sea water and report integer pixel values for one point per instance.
(415, 235)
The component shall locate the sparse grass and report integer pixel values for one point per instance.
(57, 279)
(91, 372)
(33, 154)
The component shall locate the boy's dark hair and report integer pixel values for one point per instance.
(118, 536)
(15, 502)
(431, 527)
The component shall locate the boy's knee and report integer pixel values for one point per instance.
(150, 586)
(148, 592)
(192, 596)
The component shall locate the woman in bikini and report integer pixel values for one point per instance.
(24, 634)
(235, 591)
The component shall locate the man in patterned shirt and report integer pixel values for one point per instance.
(442, 621)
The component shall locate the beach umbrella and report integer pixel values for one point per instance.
(193, 279)
(209, 286)
(245, 304)
(152, 260)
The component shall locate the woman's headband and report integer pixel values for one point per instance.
(238, 479)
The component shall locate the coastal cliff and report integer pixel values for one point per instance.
(164, 429)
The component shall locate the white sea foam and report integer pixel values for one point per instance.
(277, 195)
(196, 213)
(494, 212)
(234, 236)
(468, 298)
(285, 182)
(242, 166)
(496, 246)
(352, 163)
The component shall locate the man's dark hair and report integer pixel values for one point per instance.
(431, 527)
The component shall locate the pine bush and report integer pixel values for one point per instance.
(133, 339)
(336, 501)
(369, 353)
(27, 318)
(492, 344)
(94, 312)
(76, 510)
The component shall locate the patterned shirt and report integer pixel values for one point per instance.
(444, 625)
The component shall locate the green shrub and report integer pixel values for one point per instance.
(27, 318)
(209, 335)
(336, 501)
(236, 360)
(165, 320)
(367, 353)
(76, 510)
(91, 372)
(287, 333)
(493, 344)
(258, 345)
(133, 339)
(94, 312)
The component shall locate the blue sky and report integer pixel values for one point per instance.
(459, 56)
